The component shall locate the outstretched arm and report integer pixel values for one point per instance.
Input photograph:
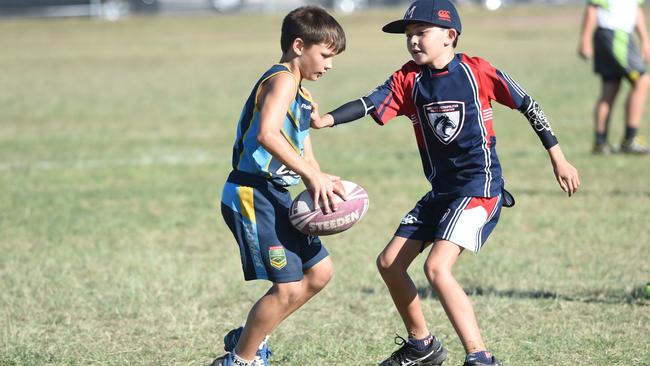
(348, 112)
(383, 103)
(585, 49)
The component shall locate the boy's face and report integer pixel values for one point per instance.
(426, 42)
(315, 61)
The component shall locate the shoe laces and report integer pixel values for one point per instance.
(400, 354)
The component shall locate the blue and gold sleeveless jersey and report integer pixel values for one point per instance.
(249, 156)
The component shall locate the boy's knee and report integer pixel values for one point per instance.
(388, 267)
(320, 278)
(290, 293)
(434, 271)
(383, 263)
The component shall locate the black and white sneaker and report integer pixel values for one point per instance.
(408, 355)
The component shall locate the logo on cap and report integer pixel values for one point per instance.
(409, 13)
(444, 15)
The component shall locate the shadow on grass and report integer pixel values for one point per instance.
(636, 297)
(584, 192)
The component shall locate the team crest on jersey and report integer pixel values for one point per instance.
(445, 119)
(277, 257)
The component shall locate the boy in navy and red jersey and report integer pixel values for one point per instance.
(448, 98)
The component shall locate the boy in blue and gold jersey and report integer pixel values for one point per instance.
(249, 155)
(272, 151)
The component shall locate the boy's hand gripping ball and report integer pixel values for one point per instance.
(314, 222)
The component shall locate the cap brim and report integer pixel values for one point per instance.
(399, 26)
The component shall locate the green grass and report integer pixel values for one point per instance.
(115, 140)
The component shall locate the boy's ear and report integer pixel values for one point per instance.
(298, 45)
(452, 35)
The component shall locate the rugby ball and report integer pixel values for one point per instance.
(314, 222)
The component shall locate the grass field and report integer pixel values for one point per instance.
(115, 140)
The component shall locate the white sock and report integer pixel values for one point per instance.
(264, 341)
(238, 361)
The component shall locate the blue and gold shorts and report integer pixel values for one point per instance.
(257, 212)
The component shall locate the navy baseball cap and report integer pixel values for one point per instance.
(441, 13)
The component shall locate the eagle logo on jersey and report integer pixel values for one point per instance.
(444, 126)
(445, 119)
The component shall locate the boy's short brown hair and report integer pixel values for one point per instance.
(313, 25)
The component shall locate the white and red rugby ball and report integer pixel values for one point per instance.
(314, 222)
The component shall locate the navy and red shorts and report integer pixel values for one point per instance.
(464, 221)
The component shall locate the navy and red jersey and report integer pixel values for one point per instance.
(451, 113)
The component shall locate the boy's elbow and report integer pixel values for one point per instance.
(264, 137)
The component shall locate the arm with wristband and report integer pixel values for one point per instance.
(537, 119)
(348, 112)
(389, 98)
